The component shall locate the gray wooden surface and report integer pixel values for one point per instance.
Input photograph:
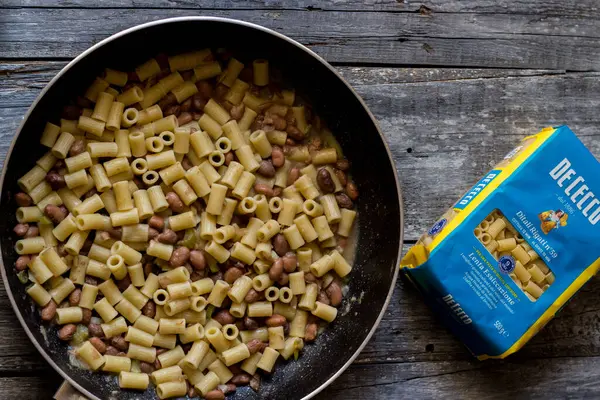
(454, 84)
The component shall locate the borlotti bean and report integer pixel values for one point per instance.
(208, 211)
(516, 247)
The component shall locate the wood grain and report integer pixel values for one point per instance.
(502, 75)
(30, 387)
(546, 7)
(449, 39)
(550, 378)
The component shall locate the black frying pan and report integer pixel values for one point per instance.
(379, 207)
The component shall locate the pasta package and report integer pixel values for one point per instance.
(509, 254)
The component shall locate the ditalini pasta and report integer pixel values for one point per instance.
(530, 271)
(514, 249)
(186, 217)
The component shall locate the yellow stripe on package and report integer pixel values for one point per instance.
(516, 247)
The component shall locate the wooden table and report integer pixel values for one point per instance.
(454, 83)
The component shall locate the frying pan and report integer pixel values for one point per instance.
(379, 206)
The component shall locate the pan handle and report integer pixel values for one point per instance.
(66, 391)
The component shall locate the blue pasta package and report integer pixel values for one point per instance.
(516, 247)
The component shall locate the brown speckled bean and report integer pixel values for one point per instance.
(55, 180)
(33, 231)
(310, 332)
(149, 310)
(49, 311)
(325, 181)
(252, 296)
(277, 156)
(223, 317)
(179, 257)
(167, 237)
(66, 332)
(240, 379)
(293, 176)
(74, 297)
(175, 202)
(156, 222)
(197, 260)
(352, 190)
(215, 395)
(334, 291)
(21, 263)
(86, 316)
(23, 199)
(289, 262)
(21, 229)
(275, 320)
(55, 213)
(232, 274)
(98, 344)
(262, 188)
(276, 270)
(280, 245)
(95, 330)
(266, 169)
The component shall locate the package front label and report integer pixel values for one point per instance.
(515, 247)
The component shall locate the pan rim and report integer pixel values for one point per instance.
(125, 32)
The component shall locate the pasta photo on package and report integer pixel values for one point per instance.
(510, 253)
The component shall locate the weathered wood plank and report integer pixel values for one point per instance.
(30, 387)
(553, 378)
(449, 39)
(539, 379)
(22, 81)
(585, 7)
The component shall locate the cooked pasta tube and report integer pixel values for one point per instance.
(208, 383)
(78, 162)
(179, 290)
(157, 199)
(39, 294)
(268, 359)
(114, 328)
(75, 242)
(340, 265)
(130, 256)
(50, 134)
(218, 293)
(287, 213)
(116, 364)
(171, 357)
(133, 380)
(169, 326)
(195, 355)
(179, 274)
(88, 353)
(165, 341)
(220, 253)
(202, 286)
(201, 143)
(260, 309)
(69, 315)
(135, 297)
(246, 157)
(216, 339)
(146, 324)
(146, 354)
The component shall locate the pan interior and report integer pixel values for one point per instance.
(379, 211)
